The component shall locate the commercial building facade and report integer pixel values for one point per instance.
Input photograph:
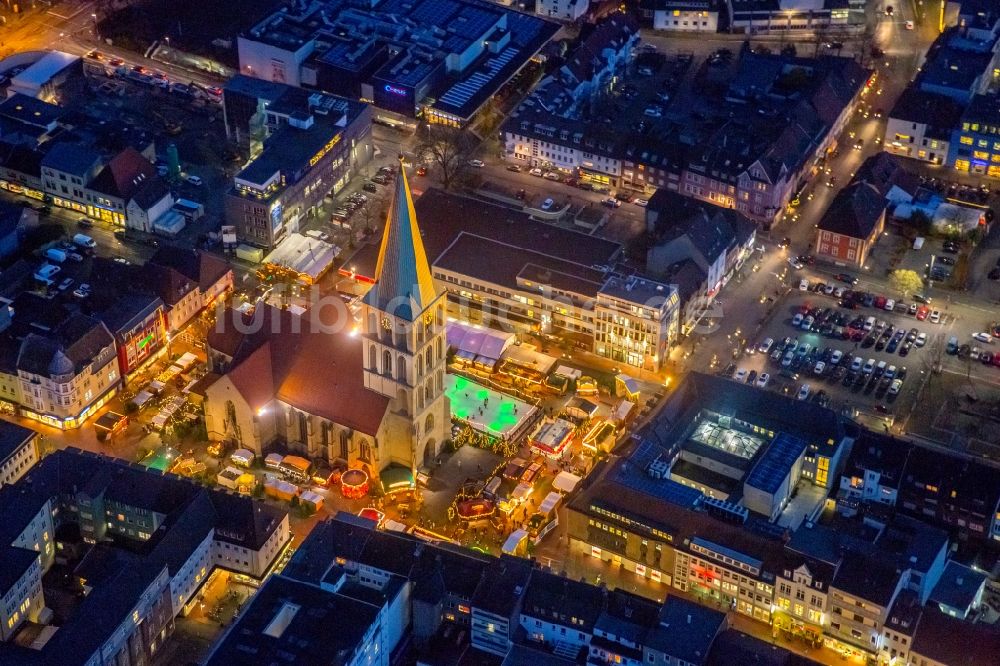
(314, 144)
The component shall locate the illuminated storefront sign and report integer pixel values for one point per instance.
(324, 150)
(395, 91)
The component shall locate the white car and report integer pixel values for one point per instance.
(536, 172)
(765, 346)
(763, 379)
(478, 164)
(890, 372)
(803, 285)
(895, 386)
(890, 304)
(741, 375)
(921, 340)
(935, 317)
(787, 361)
(548, 204)
(983, 337)
(194, 180)
(804, 392)
(869, 366)
(797, 319)
(795, 263)
(641, 202)
(838, 292)
(820, 368)
(856, 364)
(836, 357)
(807, 323)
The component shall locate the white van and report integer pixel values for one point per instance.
(194, 180)
(918, 242)
(83, 240)
(869, 323)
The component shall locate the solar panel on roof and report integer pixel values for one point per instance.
(775, 464)
(462, 92)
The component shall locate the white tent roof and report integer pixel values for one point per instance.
(529, 358)
(304, 255)
(141, 398)
(549, 502)
(515, 538)
(565, 482)
(567, 371)
(483, 342)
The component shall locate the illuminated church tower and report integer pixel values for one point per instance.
(405, 343)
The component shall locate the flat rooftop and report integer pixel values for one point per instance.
(429, 30)
(443, 216)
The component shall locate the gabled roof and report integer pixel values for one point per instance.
(150, 192)
(124, 174)
(403, 282)
(321, 373)
(885, 171)
(855, 211)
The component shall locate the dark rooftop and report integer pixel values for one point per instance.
(12, 438)
(292, 622)
(951, 641)
(686, 630)
(855, 211)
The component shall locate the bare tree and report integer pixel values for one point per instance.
(368, 214)
(447, 148)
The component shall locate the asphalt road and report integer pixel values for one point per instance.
(70, 27)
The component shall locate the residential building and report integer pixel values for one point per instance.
(920, 125)
(65, 373)
(682, 15)
(942, 640)
(624, 627)
(137, 321)
(314, 144)
(851, 225)
(888, 174)
(496, 606)
(188, 282)
(962, 495)
(686, 633)
(151, 208)
(801, 595)
(635, 321)
(560, 613)
(381, 53)
(787, 16)
(959, 64)
(562, 10)
(959, 591)
(975, 140)
(269, 388)
(696, 246)
(874, 470)
(18, 451)
(178, 532)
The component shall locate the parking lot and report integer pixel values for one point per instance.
(859, 359)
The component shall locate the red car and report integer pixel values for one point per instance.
(880, 302)
(922, 312)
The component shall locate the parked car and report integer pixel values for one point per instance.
(513, 167)
(548, 204)
(804, 392)
(535, 172)
(763, 379)
(983, 337)
(741, 375)
(477, 164)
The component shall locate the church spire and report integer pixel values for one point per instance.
(403, 283)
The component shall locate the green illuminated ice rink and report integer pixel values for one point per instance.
(498, 415)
